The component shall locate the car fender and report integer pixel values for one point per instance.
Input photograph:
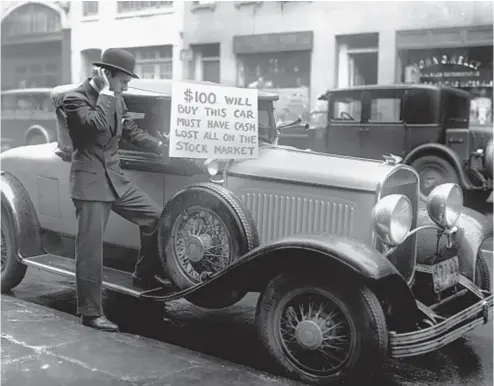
(473, 229)
(329, 256)
(22, 215)
(445, 152)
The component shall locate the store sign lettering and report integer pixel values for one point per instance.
(445, 59)
(452, 74)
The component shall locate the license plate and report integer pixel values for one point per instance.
(446, 274)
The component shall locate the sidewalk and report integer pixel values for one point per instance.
(45, 347)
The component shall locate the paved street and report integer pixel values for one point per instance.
(43, 344)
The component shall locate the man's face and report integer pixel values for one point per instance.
(119, 82)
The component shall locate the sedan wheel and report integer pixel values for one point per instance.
(433, 171)
(320, 332)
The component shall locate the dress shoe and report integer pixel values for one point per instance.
(99, 323)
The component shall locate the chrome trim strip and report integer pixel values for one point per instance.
(470, 285)
(378, 196)
(59, 271)
(430, 339)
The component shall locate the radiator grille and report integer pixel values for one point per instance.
(278, 215)
(403, 181)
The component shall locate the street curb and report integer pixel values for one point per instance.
(100, 347)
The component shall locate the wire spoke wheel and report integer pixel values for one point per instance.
(319, 330)
(315, 333)
(5, 251)
(202, 246)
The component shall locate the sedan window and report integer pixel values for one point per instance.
(346, 108)
(385, 110)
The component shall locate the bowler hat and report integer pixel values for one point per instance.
(118, 59)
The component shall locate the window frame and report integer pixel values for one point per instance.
(156, 61)
(386, 94)
(120, 14)
(90, 16)
(337, 96)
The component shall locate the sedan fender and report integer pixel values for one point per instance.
(22, 215)
(329, 256)
(445, 152)
(473, 229)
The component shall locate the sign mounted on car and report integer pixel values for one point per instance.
(213, 122)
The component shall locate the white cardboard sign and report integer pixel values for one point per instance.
(210, 121)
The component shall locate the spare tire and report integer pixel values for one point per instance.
(203, 229)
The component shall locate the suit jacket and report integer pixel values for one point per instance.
(96, 124)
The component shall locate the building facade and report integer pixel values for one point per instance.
(301, 49)
(35, 44)
(151, 30)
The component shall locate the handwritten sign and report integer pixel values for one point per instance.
(213, 122)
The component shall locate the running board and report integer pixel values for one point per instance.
(113, 279)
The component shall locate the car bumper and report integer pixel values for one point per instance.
(432, 338)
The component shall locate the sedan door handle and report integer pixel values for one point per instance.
(364, 129)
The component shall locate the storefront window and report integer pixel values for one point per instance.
(137, 6)
(90, 8)
(31, 19)
(284, 73)
(468, 68)
(153, 62)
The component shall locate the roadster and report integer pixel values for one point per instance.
(349, 266)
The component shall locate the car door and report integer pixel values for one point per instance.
(344, 123)
(384, 131)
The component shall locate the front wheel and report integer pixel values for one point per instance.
(320, 331)
(482, 274)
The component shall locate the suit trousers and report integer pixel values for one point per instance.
(92, 218)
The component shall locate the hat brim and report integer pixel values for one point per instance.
(112, 67)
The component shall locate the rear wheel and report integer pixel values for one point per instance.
(12, 270)
(36, 139)
(433, 171)
(319, 331)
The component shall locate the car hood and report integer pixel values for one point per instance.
(303, 166)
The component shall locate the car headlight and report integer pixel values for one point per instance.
(392, 218)
(212, 167)
(489, 157)
(445, 204)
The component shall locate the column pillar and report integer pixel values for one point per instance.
(386, 63)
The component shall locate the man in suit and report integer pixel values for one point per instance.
(97, 119)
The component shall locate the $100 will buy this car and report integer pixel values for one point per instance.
(349, 267)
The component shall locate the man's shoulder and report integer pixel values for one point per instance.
(78, 93)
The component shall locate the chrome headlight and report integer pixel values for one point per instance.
(392, 218)
(445, 204)
(212, 167)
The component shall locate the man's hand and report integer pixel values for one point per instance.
(101, 79)
(164, 139)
